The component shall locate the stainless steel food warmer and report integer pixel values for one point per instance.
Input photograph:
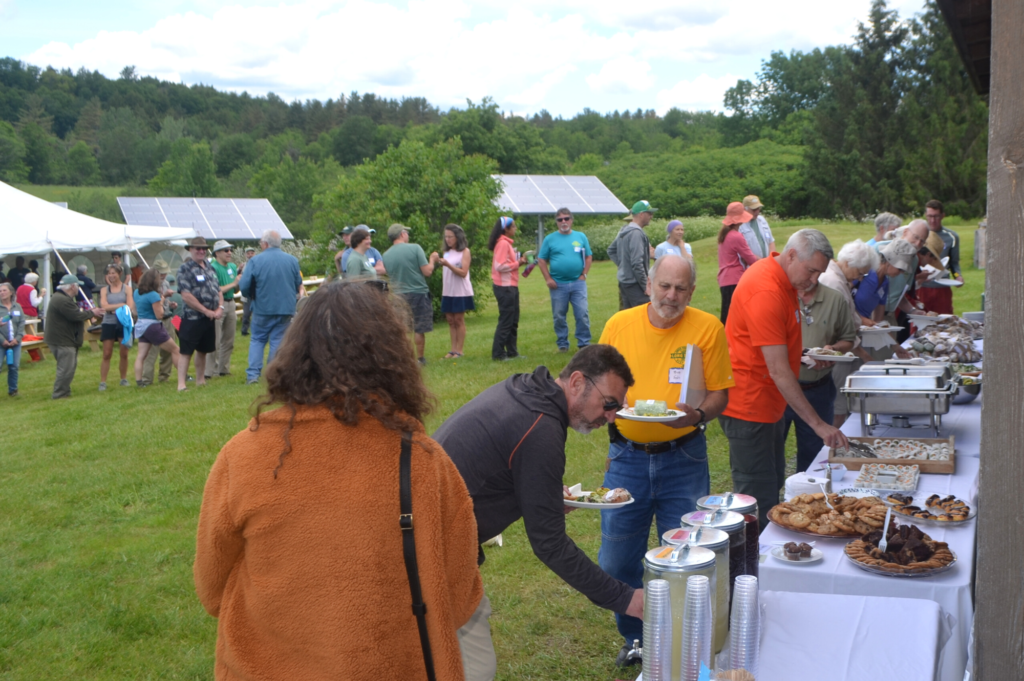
(902, 391)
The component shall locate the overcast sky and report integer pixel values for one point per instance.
(559, 55)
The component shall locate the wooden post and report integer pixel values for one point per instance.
(999, 617)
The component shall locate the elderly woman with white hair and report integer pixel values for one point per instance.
(28, 297)
(853, 262)
(884, 224)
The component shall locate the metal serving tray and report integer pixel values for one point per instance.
(889, 378)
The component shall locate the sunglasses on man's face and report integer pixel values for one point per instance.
(610, 403)
(200, 248)
(563, 219)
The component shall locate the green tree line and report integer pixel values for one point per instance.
(884, 123)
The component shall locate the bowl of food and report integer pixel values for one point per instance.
(967, 393)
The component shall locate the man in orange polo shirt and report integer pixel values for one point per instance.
(765, 345)
(663, 465)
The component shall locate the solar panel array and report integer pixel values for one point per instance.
(211, 218)
(545, 194)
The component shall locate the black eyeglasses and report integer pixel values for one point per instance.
(610, 403)
(564, 219)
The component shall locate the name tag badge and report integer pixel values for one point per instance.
(15, 314)
(200, 277)
(370, 260)
(578, 249)
(675, 375)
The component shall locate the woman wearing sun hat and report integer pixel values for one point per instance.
(734, 255)
(935, 297)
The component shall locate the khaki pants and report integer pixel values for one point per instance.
(478, 659)
(149, 364)
(219, 362)
(67, 362)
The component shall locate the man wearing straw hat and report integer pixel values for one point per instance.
(65, 332)
(149, 365)
(631, 253)
(204, 305)
(227, 280)
(756, 230)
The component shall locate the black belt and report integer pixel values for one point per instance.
(816, 384)
(651, 447)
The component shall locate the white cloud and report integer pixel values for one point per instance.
(563, 55)
(622, 75)
(702, 93)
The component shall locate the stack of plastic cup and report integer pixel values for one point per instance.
(745, 626)
(657, 658)
(697, 628)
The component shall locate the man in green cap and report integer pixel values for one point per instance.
(631, 252)
(65, 332)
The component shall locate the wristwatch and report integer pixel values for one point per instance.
(703, 423)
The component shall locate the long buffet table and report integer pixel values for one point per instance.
(953, 591)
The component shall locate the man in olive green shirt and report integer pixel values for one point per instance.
(219, 362)
(826, 322)
(408, 268)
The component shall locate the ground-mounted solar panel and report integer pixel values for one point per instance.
(230, 219)
(545, 194)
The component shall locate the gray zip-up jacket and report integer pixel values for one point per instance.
(631, 251)
(17, 322)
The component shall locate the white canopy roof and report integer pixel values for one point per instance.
(30, 225)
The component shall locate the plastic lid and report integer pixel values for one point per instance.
(685, 558)
(728, 521)
(708, 537)
(741, 503)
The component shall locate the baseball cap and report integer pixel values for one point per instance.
(348, 229)
(368, 229)
(395, 231)
(221, 245)
(69, 279)
(751, 202)
(642, 207)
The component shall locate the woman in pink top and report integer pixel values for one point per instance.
(457, 289)
(734, 255)
(505, 275)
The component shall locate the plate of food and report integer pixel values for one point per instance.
(801, 553)
(843, 517)
(651, 411)
(878, 328)
(602, 497)
(823, 355)
(931, 508)
(947, 282)
(910, 553)
(888, 477)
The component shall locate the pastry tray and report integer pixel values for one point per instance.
(875, 570)
(919, 499)
(939, 466)
(910, 474)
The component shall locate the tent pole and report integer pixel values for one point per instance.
(48, 279)
(540, 231)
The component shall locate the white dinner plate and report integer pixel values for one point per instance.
(831, 358)
(948, 282)
(858, 492)
(779, 553)
(627, 413)
(576, 490)
(880, 329)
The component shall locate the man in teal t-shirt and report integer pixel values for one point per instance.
(408, 268)
(565, 259)
(219, 363)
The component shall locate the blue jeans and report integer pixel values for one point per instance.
(12, 369)
(264, 328)
(666, 486)
(574, 292)
(808, 444)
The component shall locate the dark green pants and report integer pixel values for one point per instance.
(757, 455)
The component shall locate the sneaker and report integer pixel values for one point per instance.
(225, 373)
(423, 361)
(623, 660)
(103, 386)
(563, 349)
(141, 384)
(13, 393)
(252, 381)
(124, 382)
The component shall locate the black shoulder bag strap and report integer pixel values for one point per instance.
(409, 550)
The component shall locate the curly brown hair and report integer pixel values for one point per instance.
(347, 349)
(150, 281)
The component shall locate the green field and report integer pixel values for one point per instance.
(101, 494)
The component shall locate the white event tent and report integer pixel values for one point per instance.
(30, 225)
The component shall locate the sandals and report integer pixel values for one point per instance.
(452, 355)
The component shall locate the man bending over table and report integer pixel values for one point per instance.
(509, 445)
(663, 465)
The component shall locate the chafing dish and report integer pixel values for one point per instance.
(902, 391)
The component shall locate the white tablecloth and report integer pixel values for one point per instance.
(952, 590)
(849, 638)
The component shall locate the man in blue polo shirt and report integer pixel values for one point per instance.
(565, 259)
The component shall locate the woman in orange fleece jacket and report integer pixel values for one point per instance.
(299, 550)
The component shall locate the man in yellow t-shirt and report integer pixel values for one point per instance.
(663, 465)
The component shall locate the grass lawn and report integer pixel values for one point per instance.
(101, 494)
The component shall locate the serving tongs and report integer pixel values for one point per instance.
(858, 450)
